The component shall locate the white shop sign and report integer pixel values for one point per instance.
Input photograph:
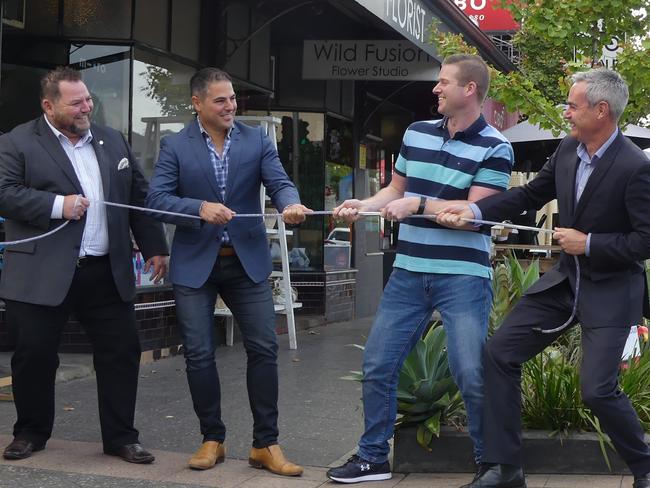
(408, 17)
(366, 60)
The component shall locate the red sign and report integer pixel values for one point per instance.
(486, 16)
(497, 116)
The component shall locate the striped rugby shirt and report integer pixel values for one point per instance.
(439, 167)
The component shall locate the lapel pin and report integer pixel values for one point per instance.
(101, 143)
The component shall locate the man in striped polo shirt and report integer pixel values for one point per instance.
(458, 158)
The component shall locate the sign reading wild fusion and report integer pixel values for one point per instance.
(366, 60)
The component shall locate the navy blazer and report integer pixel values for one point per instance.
(614, 208)
(184, 177)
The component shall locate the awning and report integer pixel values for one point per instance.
(533, 145)
(412, 18)
(527, 132)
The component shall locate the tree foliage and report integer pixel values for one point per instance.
(514, 90)
(558, 39)
(172, 97)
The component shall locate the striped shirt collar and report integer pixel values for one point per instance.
(584, 155)
(85, 139)
(474, 129)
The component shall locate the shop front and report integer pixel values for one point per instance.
(343, 77)
(136, 59)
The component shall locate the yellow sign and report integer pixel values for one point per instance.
(362, 156)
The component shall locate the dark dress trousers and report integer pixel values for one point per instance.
(615, 208)
(43, 284)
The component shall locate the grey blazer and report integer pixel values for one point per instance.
(34, 168)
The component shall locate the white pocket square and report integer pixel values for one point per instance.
(124, 163)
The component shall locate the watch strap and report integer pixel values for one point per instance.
(423, 204)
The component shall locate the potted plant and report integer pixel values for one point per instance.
(561, 434)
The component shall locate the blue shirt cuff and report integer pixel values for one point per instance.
(588, 244)
(477, 213)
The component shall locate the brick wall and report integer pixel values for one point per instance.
(6, 340)
(329, 294)
(156, 327)
(326, 296)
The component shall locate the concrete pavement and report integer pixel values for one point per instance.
(81, 464)
(320, 422)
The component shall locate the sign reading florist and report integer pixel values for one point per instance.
(366, 60)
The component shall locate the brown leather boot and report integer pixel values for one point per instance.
(272, 458)
(209, 454)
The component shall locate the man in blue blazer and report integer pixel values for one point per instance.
(213, 168)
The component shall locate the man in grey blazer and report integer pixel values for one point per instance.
(602, 183)
(56, 168)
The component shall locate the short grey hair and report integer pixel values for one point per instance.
(605, 85)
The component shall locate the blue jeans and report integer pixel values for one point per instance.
(252, 307)
(405, 309)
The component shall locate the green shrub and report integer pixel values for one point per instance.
(550, 387)
(509, 283)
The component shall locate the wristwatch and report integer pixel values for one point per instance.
(423, 204)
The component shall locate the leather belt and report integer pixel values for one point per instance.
(83, 261)
(226, 251)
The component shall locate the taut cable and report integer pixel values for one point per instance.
(324, 213)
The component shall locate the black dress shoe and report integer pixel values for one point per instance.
(133, 453)
(480, 469)
(499, 476)
(642, 481)
(21, 449)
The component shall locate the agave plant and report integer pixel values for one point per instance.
(427, 395)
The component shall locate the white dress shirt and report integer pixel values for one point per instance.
(94, 241)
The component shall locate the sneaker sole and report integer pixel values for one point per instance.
(360, 479)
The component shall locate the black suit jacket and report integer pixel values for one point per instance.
(614, 208)
(34, 168)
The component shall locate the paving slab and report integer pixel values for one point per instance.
(320, 414)
(15, 476)
(438, 480)
(578, 481)
(320, 423)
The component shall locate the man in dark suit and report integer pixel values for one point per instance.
(602, 183)
(214, 168)
(58, 167)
